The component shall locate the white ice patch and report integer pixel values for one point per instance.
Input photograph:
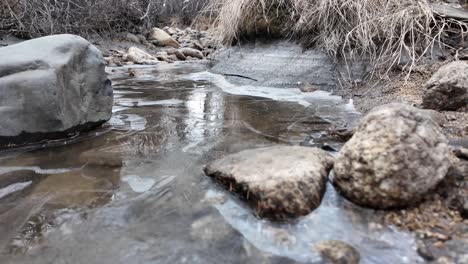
(13, 188)
(37, 170)
(139, 102)
(117, 109)
(138, 184)
(277, 94)
(329, 222)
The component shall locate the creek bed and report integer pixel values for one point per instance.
(134, 191)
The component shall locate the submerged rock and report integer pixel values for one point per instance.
(159, 37)
(448, 88)
(397, 154)
(51, 87)
(278, 182)
(338, 252)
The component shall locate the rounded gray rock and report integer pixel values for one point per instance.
(279, 182)
(448, 88)
(51, 87)
(397, 154)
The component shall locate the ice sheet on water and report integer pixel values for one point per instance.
(329, 222)
(278, 94)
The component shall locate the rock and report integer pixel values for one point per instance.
(208, 42)
(211, 227)
(101, 158)
(177, 53)
(52, 87)
(196, 45)
(463, 209)
(425, 250)
(131, 38)
(139, 56)
(338, 252)
(460, 152)
(143, 40)
(189, 52)
(397, 154)
(448, 88)
(172, 58)
(160, 38)
(342, 134)
(309, 88)
(207, 52)
(163, 56)
(438, 117)
(170, 31)
(278, 182)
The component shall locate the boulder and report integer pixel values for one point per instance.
(448, 88)
(338, 252)
(397, 154)
(51, 87)
(159, 37)
(189, 52)
(139, 56)
(279, 182)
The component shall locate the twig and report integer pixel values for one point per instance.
(240, 76)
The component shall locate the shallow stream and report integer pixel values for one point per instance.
(134, 191)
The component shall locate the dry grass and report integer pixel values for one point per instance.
(33, 18)
(385, 31)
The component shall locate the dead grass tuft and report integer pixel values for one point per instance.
(34, 18)
(385, 31)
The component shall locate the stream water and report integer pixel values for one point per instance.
(134, 191)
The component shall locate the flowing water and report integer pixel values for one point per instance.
(133, 191)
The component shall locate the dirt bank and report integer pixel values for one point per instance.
(399, 86)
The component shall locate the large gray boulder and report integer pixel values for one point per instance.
(51, 87)
(448, 88)
(397, 154)
(278, 182)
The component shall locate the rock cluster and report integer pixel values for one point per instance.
(172, 44)
(397, 154)
(279, 182)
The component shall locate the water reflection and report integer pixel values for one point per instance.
(134, 191)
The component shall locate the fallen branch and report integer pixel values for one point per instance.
(240, 76)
